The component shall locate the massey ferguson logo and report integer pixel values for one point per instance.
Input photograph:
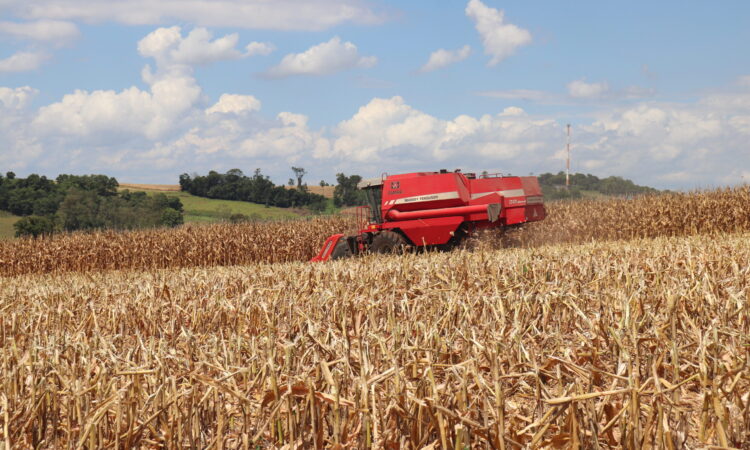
(394, 185)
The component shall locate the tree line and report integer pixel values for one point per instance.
(258, 188)
(553, 186)
(82, 202)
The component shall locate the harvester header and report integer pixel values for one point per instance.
(435, 209)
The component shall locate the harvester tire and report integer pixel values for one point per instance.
(341, 250)
(388, 242)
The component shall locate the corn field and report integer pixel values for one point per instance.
(612, 324)
(677, 214)
(673, 214)
(640, 344)
(187, 246)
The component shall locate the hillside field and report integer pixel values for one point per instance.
(616, 323)
(6, 225)
(201, 209)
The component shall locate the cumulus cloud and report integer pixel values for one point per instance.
(156, 113)
(582, 89)
(442, 58)
(22, 62)
(16, 99)
(309, 15)
(663, 144)
(259, 48)
(386, 130)
(235, 104)
(53, 31)
(500, 38)
(168, 47)
(103, 114)
(322, 59)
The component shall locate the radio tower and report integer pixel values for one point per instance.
(567, 163)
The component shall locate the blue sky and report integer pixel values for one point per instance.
(656, 91)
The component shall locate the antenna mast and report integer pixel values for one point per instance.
(567, 163)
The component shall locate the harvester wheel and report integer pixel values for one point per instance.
(388, 242)
(341, 250)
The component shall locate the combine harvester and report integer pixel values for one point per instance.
(435, 209)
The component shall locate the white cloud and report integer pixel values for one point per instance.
(287, 139)
(20, 147)
(513, 111)
(259, 48)
(388, 130)
(500, 39)
(310, 15)
(54, 31)
(22, 62)
(442, 58)
(132, 112)
(16, 99)
(151, 114)
(322, 59)
(169, 48)
(235, 104)
(166, 130)
(582, 89)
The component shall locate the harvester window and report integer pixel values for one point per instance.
(374, 198)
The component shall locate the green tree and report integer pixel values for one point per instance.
(346, 193)
(80, 211)
(34, 226)
(171, 218)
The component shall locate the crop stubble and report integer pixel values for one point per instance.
(643, 343)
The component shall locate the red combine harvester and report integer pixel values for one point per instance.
(435, 209)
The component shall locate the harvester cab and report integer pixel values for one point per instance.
(435, 209)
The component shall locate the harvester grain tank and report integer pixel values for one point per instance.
(435, 209)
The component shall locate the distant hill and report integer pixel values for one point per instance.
(587, 185)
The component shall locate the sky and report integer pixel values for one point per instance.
(658, 92)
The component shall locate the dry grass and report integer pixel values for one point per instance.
(611, 344)
(719, 211)
(151, 187)
(325, 191)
